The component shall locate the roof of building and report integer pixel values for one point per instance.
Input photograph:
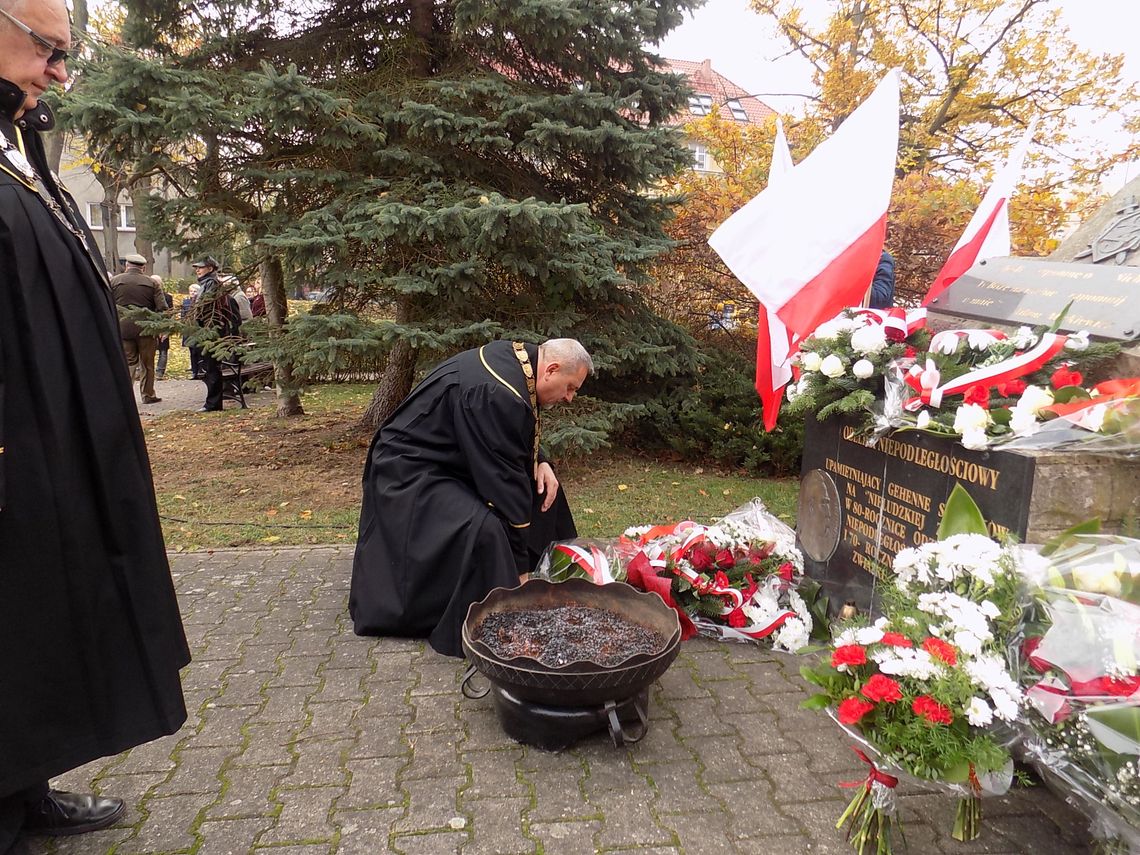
(712, 89)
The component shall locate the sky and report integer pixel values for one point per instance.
(746, 48)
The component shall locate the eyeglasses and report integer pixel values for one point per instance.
(54, 56)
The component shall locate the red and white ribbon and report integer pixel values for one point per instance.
(991, 375)
(905, 322)
(592, 561)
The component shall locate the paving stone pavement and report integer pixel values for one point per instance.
(305, 740)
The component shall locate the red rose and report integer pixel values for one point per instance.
(896, 639)
(939, 649)
(853, 709)
(737, 618)
(725, 560)
(756, 554)
(931, 710)
(977, 394)
(701, 560)
(720, 580)
(1029, 650)
(881, 688)
(1011, 388)
(786, 571)
(848, 654)
(1064, 377)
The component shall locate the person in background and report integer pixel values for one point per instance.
(216, 310)
(883, 285)
(90, 631)
(243, 302)
(162, 342)
(130, 289)
(256, 300)
(185, 313)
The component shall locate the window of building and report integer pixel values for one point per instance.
(127, 218)
(700, 157)
(94, 216)
(738, 112)
(700, 105)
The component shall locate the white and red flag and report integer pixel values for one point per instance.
(775, 345)
(987, 234)
(806, 247)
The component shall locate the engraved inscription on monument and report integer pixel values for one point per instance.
(1105, 301)
(891, 496)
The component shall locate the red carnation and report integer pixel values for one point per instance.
(701, 560)
(1011, 388)
(786, 570)
(977, 394)
(1064, 377)
(848, 654)
(725, 560)
(737, 618)
(853, 709)
(896, 639)
(939, 649)
(910, 352)
(931, 710)
(881, 688)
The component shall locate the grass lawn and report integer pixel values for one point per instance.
(247, 477)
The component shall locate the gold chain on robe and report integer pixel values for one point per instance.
(528, 372)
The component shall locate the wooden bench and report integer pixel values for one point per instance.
(236, 377)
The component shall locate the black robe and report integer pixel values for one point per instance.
(449, 499)
(90, 635)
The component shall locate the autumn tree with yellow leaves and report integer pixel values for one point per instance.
(974, 74)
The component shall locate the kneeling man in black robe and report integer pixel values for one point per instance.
(457, 496)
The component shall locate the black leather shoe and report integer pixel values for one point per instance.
(59, 814)
(210, 410)
(152, 400)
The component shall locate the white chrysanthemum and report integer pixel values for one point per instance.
(1005, 705)
(967, 642)
(868, 635)
(975, 440)
(793, 636)
(636, 531)
(841, 323)
(979, 713)
(869, 339)
(863, 369)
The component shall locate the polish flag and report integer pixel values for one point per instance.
(808, 246)
(987, 234)
(775, 345)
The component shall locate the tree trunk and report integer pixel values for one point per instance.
(109, 209)
(277, 309)
(143, 244)
(396, 379)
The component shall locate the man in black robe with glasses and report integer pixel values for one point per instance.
(90, 635)
(458, 498)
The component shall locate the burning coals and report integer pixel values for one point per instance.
(567, 634)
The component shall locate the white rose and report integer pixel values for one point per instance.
(863, 369)
(832, 366)
(1097, 579)
(1077, 341)
(1023, 421)
(831, 329)
(923, 421)
(1034, 398)
(980, 339)
(870, 339)
(975, 440)
(810, 361)
(971, 417)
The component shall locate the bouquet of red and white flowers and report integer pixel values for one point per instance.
(925, 689)
(736, 579)
(1082, 682)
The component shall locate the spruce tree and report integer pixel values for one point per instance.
(452, 171)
